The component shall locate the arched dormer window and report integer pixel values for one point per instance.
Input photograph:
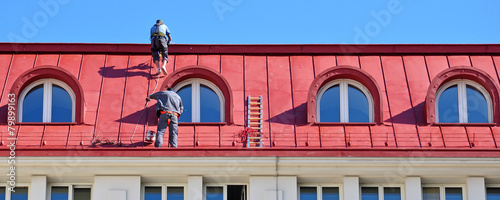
(206, 94)
(48, 94)
(344, 94)
(47, 100)
(463, 101)
(203, 101)
(462, 95)
(344, 100)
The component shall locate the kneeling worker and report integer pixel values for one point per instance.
(168, 109)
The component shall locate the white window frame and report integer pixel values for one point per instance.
(381, 190)
(163, 189)
(344, 98)
(71, 188)
(462, 99)
(320, 191)
(224, 189)
(196, 99)
(47, 98)
(442, 191)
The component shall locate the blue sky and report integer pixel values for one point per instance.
(254, 21)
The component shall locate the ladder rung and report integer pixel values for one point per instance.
(254, 123)
(254, 108)
(254, 138)
(255, 128)
(254, 103)
(255, 143)
(254, 113)
(253, 118)
(254, 98)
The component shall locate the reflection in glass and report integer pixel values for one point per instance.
(20, 194)
(369, 193)
(209, 105)
(175, 193)
(308, 193)
(331, 193)
(59, 193)
(33, 105)
(477, 107)
(215, 193)
(358, 105)
(61, 105)
(2, 193)
(152, 193)
(448, 105)
(492, 193)
(453, 193)
(330, 105)
(81, 194)
(186, 96)
(392, 193)
(430, 193)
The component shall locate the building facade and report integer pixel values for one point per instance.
(261, 122)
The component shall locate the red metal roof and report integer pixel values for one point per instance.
(116, 78)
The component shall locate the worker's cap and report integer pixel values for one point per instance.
(159, 21)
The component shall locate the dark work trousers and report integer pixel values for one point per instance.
(172, 129)
(159, 45)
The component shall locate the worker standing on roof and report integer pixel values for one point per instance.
(168, 109)
(160, 39)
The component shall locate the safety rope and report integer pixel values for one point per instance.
(143, 111)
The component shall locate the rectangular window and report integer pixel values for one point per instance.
(313, 193)
(437, 193)
(233, 192)
(215, 193)
(492, 193)
(81, 193)
(20, 194)
(430, 193)
(175, 193)
(59, 193)
(62, 192)
(152, 193)
(392, 193)
(369, 193)
(330, 193)
(308, 193)
(386, 193)
(453, 193)
(2, 193)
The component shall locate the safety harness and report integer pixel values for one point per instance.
(159, 112)
(157, 32)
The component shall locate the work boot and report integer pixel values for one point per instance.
(158, 72)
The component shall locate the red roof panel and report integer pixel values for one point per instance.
(47, 59)
(321, 63)
(71, 63)
(486, 64)
(117, 77)
(332, 136)
(403, 116)
(480, 137)
(435, 65)
(282, 116)
(459, 61)
(348, 60)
